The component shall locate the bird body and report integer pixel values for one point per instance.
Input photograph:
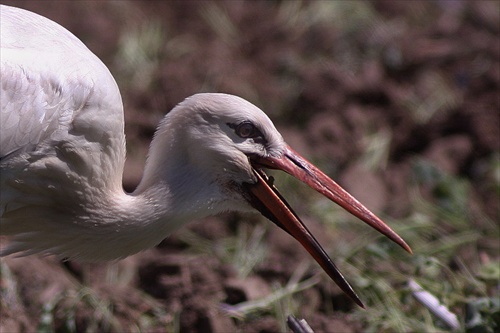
(62, 153)
(61, 129)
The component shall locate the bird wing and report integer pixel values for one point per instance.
(62, 144)
(32, 110)
(47, 77)
(61, 120)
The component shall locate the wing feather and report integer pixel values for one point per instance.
(62, 143)
(28, 115)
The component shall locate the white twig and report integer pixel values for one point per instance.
(432, 303)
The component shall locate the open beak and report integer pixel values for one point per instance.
(264, 197)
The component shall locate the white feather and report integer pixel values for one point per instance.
(62, 151)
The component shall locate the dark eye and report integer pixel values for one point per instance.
(246, 130)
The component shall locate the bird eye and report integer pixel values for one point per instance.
(246, 130)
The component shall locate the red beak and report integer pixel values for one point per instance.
(264, 196)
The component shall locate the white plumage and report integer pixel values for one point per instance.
(62, 153)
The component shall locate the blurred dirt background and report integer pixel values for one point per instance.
(377, 93)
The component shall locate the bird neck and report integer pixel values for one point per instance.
(181, 189)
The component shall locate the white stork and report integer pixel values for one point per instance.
(62, 153)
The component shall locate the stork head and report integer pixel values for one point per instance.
(229, 142)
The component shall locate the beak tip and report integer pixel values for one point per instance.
(389, 233)
(404, 245)
(358, 302)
